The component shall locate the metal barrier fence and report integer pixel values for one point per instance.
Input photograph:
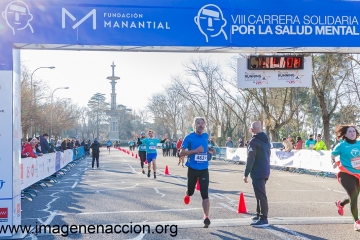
(36, 172)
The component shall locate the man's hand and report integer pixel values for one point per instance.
(335, 165)
(246, 180)
(200, 149)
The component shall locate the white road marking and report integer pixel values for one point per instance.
(148, 211)
(157, 191)
(141, 235)
(228, 207)
(293, 232)
(277, 233)
(329, 189)
(74, 185)
(216, 195)
(132, 168)
(50, 218)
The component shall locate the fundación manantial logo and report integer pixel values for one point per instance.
(210, 21)
(17, 16)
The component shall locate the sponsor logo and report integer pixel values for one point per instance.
(257, 78)
(65, 13)
(290, 77)
(1, 183)
(17, 16)
(4, 214)
(18, 209)
(211, 22)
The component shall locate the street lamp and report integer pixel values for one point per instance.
(51, 114)
(32, 99)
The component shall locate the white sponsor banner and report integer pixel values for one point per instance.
(16, 138)
(249, 78)
(6, 135)
(36, 169)
(236, 154)
(304, 158)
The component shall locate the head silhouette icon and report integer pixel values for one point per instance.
(17, 16)
(210, 21)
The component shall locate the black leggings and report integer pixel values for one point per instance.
(203, 176)
(351, 186)
(142, 156)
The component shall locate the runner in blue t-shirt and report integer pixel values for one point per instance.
(195, 146)
(142, 150)
(108, 145)
(151, 152)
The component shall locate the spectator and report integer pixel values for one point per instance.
(287, 145)
(292, 141)
(28, 150)
(310, 143)
(82, 143)
(299, 143)
(44, 144)
(240, 143)
(212, 142)
(320, 145)
(229, 143)
(77, 143)
(64, 145)
(95, 147)
(52, 146)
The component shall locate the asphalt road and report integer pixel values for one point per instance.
(300, 206)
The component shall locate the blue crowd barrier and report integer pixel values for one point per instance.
(79, 153)
(220, 153)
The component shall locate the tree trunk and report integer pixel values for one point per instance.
(326, 124)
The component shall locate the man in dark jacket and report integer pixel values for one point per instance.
(95, 147)
(258, 166)
(44, 144)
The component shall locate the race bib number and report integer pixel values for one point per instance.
(143, 147)
(355, 162)
(152, 147)
(200, 157)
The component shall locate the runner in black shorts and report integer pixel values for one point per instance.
(142, 150)
(195, 146)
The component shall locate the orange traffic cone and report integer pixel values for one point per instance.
(198, 185)
(242, 205)
(166, 170)
(136, 156)
(132, 154)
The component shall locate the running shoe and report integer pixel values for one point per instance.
(340, 208)
(186, 199)
(255, 218)
(263, 223)
(148, 174)
(143, 171)
(357, 225)
(154, 175)
(206, 222)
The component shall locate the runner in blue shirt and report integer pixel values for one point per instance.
(195, 146)
(108, 145)
(142, 150)
(151, 152)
